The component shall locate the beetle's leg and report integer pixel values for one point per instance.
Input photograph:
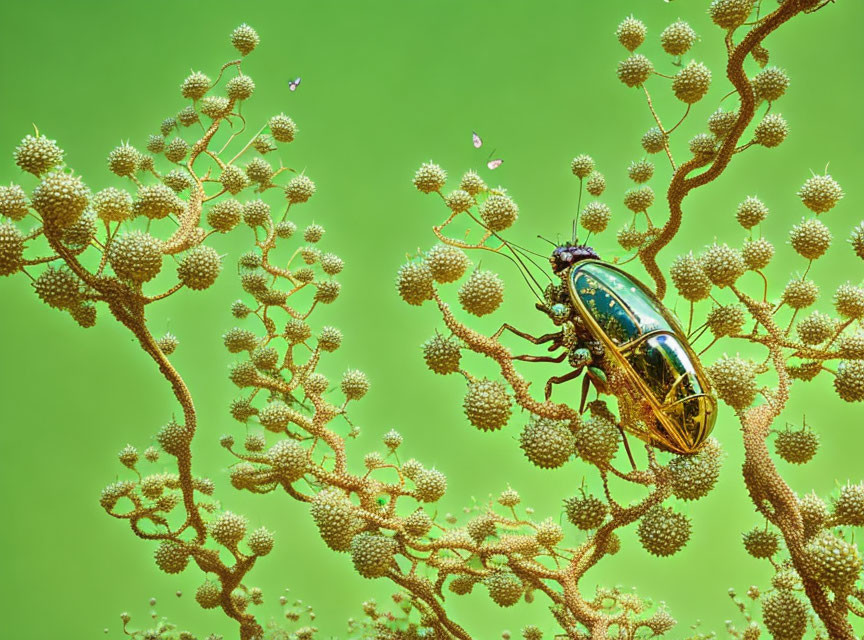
(559, 379)
(527, 336)
(627, 445)
(558, 358)
(586, 387)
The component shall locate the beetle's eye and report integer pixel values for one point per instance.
(559, 310)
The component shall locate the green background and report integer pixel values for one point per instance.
(386, 86)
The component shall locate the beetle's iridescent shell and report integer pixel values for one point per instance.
(651, 349)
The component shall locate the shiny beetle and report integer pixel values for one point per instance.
(609, 320)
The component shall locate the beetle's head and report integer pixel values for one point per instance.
(567, 255)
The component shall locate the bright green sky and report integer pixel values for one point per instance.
(386, 86)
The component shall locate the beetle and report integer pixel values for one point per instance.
(616, 331)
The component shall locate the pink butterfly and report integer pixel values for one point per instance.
(292, 85)
(476, 140)
(494, 164)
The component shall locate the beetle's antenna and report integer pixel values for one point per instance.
(547, 240)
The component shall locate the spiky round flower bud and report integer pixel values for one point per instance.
(414, 282)
(446, 263)
(215, 107)
(233, 179)
(635, 70)
(663, 532)
(264, 144)
(289, 459)
(595, 217)
(482, 293)
(84, 313)
(11, 249)
(851, 346)
(167, 126)
(208, 595)
(585, 512)
(836, 563)
(195, 86)
(326, 292)
(135, 256)
(265, 358)
(13, 202)
(237, 340)
(200, 267)
(532, 632)
(282, 128)
(244, 38)
(785, 579)
(720, 123)
(472, 184)
(661, 622)
(630, 33)
(548, 444)
(640, 171)
(814, 513)
(505, 588)
(849, 382)
(60, 198)
(354, 384)
(174, 438)
(722, 264)
(770, 84)
(176, 150)
(123, 160)
(761, 543)
(815, 329)
(128, 456)
(582, 166)
(757, 253)
(509, 498)
(331, 264)
(629, 238)
(703, 146)
(638, 200)
(275, 416)
(597, 440)
(487, 405)
(481, 527)
(726, 320)
(735, 381)
(372, 554)
(849, 506)
(800, 294)
(228, 529)
(654, 140)
(677, 38)
(112, 205)
(442, 354)
(171, 557)
(689, 278)
(797, 447)
(694, 476)
(430, 485)
(771, 131)
(729, 14)
(429, 177)
(259, 171)
(596, 184)
(300, 189)
(691, 83)
(459, 200)
(37, 154)
(256, 213)
(785, 616)
(225, 215)
(417, 524)
(240, 87)
(549, 534)
(168, 343)
(156, 202)
(499, 212)
(849, 301)
(177, 180)
(820, 193)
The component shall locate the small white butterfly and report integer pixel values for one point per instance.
(476, 140)
(293, 84)
(494, 164)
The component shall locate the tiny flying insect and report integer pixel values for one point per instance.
(491, 164)
(293, 84)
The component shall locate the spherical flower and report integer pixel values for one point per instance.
(729, 14)
(168, 343)
(354, 384)
(689, 278)
(171, 557)
(851, 346)
(722, 264)
(596, 184)
(123, 160)
(240, 87)
(37, 154)
(771, 131)
(849, 301)
(372, 554)
(168, 125)
(459, 201)
(289, 459)
(429, 177)
(13, 202)
(798, 446)
(597, 440)
(260, 542)
(58, 288)
(635, 70)
(195, 86)
(442, 355)
(498, 212)
(720, 123)
(820, 193)
(629, 238)
(430, 485)
(654, 140)
(447, 263)
(640, 171)
(770, 84)
(417, 524)
(472, 183)
(487, 405)
(300, 189)
(849, 382)
(811, 239)
(735, 381)
(244, 38)
(176, 150)
(332, 264)
(751, 212)
(225, 215)
(208, 595)
(481, 527)
(663, 532)
(757, 253)
(259, 171)
(785, 616)
(631, 33)
(482, 293)
(200, 267)
(857, 240)
(61, 199)
(11, 249)
(174, 438)
(677, 38)
(256, 213)
(595, 217)
(177, 180)
(691, 83)
(327, 291)
(549, 534)
(505, 588)
(582, 166)
(814, 514)
(215, 107)
(548, 444)
(726, 320)
(694, 476)
(282, 128)
(233, 179)
(703, 146)
(849, 505)
(639, 199)
(761, 543)
(228, 529)
(836, 563)
(156, 201)
(135, 256)
(414, 282)
(585, 512)
(800, 294)
(78, 235)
